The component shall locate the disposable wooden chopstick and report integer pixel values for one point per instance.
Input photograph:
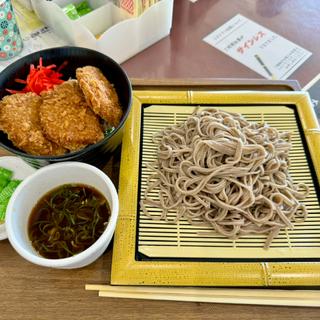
(307, 298)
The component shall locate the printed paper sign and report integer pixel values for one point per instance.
(39, 39)
(257, 47)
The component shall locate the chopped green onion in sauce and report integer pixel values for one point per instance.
(68, 220)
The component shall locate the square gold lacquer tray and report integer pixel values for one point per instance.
(152, 252)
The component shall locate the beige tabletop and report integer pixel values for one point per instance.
(32, 292)
(185, 55)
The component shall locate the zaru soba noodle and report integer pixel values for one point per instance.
(219, 170)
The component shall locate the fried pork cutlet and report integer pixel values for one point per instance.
(66, 118)
(100, 94)
(19, 119)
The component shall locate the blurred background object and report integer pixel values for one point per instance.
(26, 3)
(10, 39)
(119, 29)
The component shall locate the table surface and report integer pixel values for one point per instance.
(32, 292)
(185, 55)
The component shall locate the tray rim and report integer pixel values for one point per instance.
(127, 271)
(215, 84)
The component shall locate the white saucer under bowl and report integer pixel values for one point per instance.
(21, 170)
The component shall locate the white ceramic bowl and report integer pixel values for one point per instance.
(38, 184)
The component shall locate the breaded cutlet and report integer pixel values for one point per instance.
(66, 118)
(19, 119)
(100, 94)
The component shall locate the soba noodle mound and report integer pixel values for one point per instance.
(218, 169)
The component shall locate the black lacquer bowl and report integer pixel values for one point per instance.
(96, 154)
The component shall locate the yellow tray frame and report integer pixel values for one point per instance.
(126, 270)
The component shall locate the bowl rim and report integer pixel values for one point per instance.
(78, 258)
(91, 147)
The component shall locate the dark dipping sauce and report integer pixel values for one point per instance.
(67, 220)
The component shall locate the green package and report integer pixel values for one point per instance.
(6, 173)
(5, 176)
(83, 8)
(71, 11)
(3, 182)
(3, 208)
(75, 11)
(5, 195)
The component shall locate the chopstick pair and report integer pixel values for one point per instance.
(302, 298)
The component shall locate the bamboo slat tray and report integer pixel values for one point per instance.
(148, 252)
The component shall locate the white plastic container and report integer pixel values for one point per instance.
(26, 3)
(120, 37)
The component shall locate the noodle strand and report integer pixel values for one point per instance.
(219, 170)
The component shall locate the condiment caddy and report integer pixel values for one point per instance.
(108, 28)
